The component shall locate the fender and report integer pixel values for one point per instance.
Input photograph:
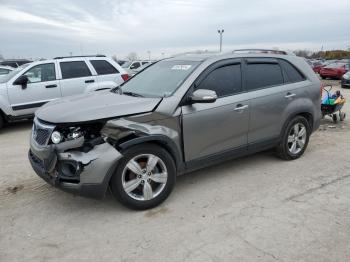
(128, 133)
(304, 106)
(5, 106)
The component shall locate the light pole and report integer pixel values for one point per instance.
(220, 33)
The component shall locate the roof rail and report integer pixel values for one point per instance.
(261, 51)
(77, 56)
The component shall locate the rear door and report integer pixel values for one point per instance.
(212, 128)
(106, 71)
(42, 87)
(272, 85)
(75, 77)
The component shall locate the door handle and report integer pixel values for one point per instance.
(240, 107)
(50, 86)
(89, 81)
(289, 95)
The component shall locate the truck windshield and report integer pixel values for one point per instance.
(161, 79)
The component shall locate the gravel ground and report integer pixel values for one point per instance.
(257, 208)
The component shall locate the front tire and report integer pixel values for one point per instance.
(144, 178)
(295, 139)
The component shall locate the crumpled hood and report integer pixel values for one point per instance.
(94, 106)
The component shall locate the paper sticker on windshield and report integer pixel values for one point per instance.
(181, 67)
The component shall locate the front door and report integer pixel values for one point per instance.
(42, 87)
(213, 128)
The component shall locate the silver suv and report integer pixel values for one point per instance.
(178, 115)
(29, 86)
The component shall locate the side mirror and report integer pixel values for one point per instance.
(22, 81)
(203, 96)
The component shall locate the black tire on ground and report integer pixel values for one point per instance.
(323, 77)
(116, 184)
(282, 149)
(335, 118)
(2, 122)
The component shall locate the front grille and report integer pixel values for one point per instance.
(42, 132)
(42, 136)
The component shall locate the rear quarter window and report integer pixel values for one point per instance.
(103, 67)
(291, 73)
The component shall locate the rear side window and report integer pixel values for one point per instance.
(74, 69)
(103, 67)
(224, 80)
(12, 64)
(4, 71)
(292, 74)
(263, 75)
(135, 65)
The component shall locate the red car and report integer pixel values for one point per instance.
(334, 70)
(317, 66)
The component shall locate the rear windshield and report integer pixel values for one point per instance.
(161, 79)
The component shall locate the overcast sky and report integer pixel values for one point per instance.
(48, 28)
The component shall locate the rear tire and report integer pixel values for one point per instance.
(2, 121)
(139, 184)
(323, 77)
(295, 139)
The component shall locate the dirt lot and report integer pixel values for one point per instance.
(258, 208)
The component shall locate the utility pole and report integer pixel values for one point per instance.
(220, 33)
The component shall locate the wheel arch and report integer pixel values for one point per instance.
(304, 113)
(160, 140)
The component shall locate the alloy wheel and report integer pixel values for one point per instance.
(144, 177)
(296, 138)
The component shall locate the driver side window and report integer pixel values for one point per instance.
(41, 73)
(225, 80)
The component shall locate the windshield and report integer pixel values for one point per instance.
(126, 64)
(161, 79)
(7, 77)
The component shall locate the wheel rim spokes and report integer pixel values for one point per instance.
(144, 177)
(132, 185)
(134, 167)
(296, 138)
(160, 177)
(147, 191)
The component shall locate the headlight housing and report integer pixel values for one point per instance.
(56, 137)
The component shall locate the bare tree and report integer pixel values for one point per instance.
(132, 56)
(1, 57)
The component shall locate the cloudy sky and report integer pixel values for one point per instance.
(48, 28)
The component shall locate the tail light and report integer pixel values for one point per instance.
(125, 77)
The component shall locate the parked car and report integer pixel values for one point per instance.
(318, 65)
(134, 67)
(25, 89)
(14, 62)
(198, 111)
(4, 70)
(334, 70)
(345, 80)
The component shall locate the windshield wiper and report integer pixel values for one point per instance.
(128, 93)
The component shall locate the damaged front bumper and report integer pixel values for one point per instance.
(71, 170)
